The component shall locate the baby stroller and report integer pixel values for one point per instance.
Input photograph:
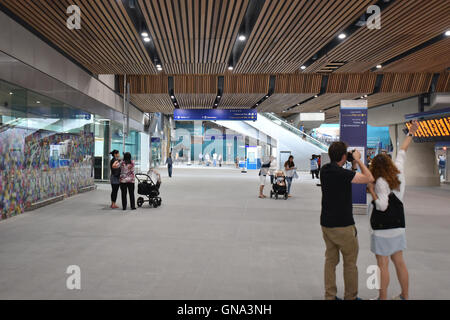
(277, 189)
(148, 188)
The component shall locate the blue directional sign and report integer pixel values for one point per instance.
(215, 114)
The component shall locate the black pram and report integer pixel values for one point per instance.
(278, 190)
(148, 188)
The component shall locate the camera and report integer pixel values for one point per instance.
(350, 156)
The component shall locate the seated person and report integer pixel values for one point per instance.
(280, 179)
(155, 176)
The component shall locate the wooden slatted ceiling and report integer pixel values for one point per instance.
(243, 91)
(278, 102)
(404, 25)
(339, 87)
(107, 42)
(443, 84)
(406, 82)
(434, 58)
(288, 33)
(325, 101)
(291, 89)
(195, 92)
(146, 84)
(194, 36)
(153, 102)
(383, 98)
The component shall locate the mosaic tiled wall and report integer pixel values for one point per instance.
(37, 165)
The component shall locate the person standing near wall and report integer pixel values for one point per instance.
(336, 219)
(262, 177)
(289, 169)
(127, 180)
(169, 163)
(114, 178)
(385, 243)
(314, 167)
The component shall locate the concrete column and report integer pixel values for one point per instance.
(420, 167)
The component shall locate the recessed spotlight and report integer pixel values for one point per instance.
(144, 34)
(38, 102)
(365, 96)
(447, 33)
(342, 36)
(230, 68)
(361, 97)
(158, 66)
(242, 38)
(173, 97)
(379, 66)
(267, 96)
(147, 39)
(10, 93)
(303, 67)
(215, 104)
(315, 96)
(257, 104)
(298, 104)
(218, 96)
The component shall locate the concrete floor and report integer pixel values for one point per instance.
(211, 239)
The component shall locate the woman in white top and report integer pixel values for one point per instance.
(389, 177)
(289, 170)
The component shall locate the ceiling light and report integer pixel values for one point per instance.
(38, 102)
(303, 67)
(447, 33)
(158, 66)
(365, 96)
(267, 96)
(10, 93)
(379, 66)
(342, 36)
(230, 68)
(298, 104)
(241, 38)
(144, 34)
(173, 97)
(147, 39)
(218, 96)
(215, 104)
(315, 96)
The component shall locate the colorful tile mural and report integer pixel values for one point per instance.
(38, 165)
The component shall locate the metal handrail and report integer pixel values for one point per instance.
(288, 126)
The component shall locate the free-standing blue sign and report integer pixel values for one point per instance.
(215, 114)
(353, 131)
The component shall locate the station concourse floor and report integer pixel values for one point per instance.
(212, 238)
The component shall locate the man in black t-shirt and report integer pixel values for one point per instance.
(336, 219)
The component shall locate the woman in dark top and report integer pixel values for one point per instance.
(114, 165)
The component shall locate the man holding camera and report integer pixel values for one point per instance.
(336, 219)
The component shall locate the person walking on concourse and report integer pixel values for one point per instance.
(169, 163)
(338, 227)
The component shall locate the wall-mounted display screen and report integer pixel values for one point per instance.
(433, 130)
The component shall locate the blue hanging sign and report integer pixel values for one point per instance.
(215, 114)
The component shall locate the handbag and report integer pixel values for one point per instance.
(393, 217)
